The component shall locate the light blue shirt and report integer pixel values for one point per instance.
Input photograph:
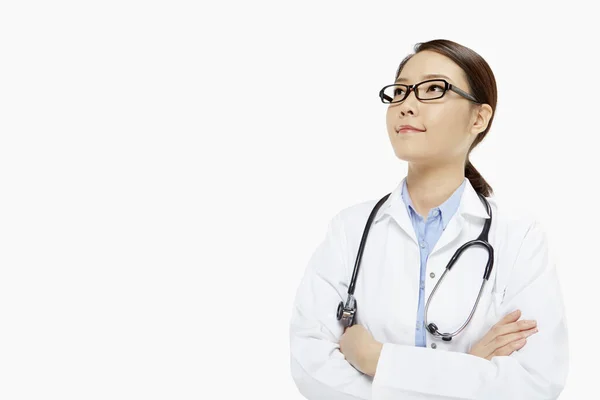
(427, 233)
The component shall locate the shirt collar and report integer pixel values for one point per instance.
(470, 203)
(447, 209)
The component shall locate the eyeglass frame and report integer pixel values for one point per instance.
(448, 86)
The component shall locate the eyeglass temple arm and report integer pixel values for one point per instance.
(462, 93)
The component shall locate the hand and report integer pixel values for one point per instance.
(360, 349)
(505, 337)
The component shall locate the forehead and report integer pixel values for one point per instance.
(427, 63)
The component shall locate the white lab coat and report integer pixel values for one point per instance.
(387, 290)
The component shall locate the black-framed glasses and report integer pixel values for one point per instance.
(427, 90)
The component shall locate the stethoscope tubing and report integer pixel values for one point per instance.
(347, 312)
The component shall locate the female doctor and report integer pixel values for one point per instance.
(408, 339)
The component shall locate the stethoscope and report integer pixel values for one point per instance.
(347, 313)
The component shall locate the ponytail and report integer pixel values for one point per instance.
(477, 181)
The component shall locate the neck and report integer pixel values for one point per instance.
(430, 186)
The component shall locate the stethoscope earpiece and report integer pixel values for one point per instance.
(432, 328)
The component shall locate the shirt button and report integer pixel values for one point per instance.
(418, 325)
(432, 275)
(422, 286)
(422, 245)
(433, 345)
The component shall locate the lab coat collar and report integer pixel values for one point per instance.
(446, 209)
(470, 204)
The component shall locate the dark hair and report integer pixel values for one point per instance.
(482, 85)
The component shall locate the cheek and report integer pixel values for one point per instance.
(446, 125)
(442, 115)
(389, 120)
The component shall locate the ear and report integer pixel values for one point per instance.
(482, 118)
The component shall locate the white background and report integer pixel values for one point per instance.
(167, 169)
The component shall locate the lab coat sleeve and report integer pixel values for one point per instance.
(536, 372)
(318, 368)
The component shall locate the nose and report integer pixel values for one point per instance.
(410, 104)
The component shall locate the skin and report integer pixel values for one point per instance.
(436, 157)
(360, 349)
(436, 162)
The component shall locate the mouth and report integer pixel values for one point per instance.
(407, 129)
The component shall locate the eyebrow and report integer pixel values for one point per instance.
(428, 76)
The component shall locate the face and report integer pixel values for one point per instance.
(450, 123)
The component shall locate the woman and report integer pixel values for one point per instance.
(514, 346)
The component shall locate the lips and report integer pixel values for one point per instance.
(408, 128)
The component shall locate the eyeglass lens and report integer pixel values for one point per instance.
(424, 91)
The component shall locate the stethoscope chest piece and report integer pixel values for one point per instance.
(347, 314)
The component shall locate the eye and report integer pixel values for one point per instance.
(430, 88)
(398, 92)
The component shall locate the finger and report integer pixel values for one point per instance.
(503, 340)
(508, 349)
(521, 325)
(497, 330)
(515, 327)
(513, 316)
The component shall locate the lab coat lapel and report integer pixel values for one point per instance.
(450, 234)
(400, 215)
(470, 205)
(395, 208)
